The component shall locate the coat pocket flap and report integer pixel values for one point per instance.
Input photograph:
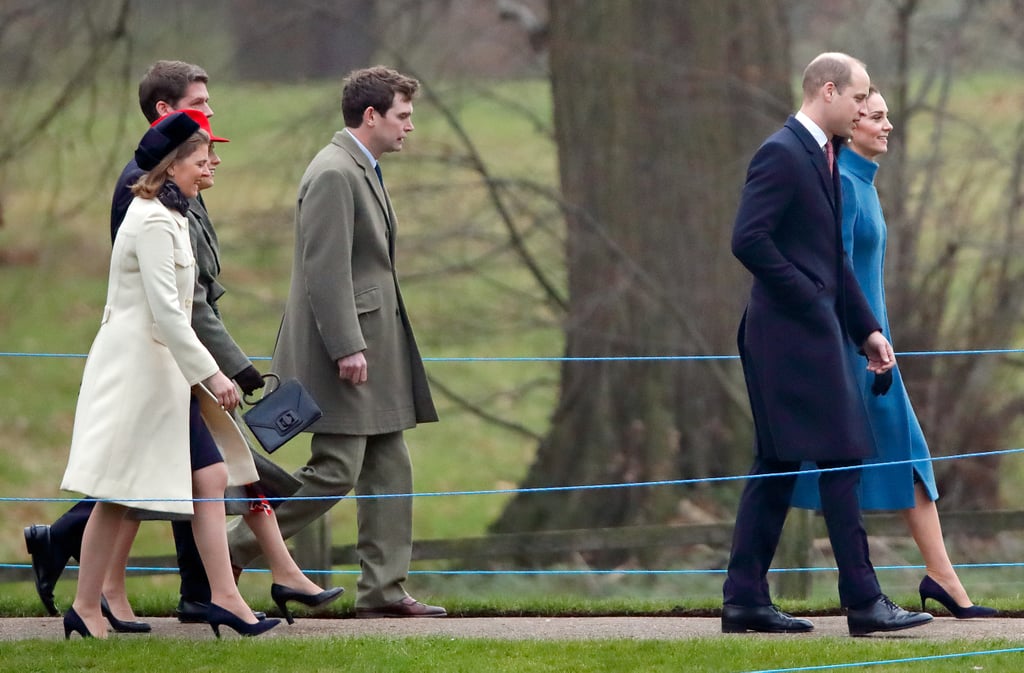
(368, 300)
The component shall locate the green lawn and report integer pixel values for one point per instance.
(459, 280)
(396, 655)
(466, 289)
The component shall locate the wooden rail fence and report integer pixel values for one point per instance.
(313, 550)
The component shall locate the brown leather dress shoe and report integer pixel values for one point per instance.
(407, 607)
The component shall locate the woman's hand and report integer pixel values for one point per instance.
(223, 389)
(880, 356)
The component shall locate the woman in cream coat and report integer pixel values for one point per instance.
(130, 444)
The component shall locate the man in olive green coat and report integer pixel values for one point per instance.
(346, 336)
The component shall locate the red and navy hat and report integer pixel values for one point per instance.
(163, 137)
(199, 118)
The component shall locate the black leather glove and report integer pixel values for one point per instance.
(249, 380)
(882, 383)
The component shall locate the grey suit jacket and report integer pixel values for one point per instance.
(206, 318)
(345, 298)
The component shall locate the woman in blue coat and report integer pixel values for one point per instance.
(910, 486)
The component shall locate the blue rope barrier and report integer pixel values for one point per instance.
(603, 358)
(883, 662)
(562, 572)
(674, 482)
(543, 489)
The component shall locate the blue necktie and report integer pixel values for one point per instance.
(380, 176)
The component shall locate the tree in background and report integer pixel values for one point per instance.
(954, 270)
(658, 106)
(281, 41)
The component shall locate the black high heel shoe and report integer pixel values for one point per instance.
(929, 588)
(216, 615)
(121, 626)
(72, 622)
(282, 594)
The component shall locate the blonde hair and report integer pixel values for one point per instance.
(149, 184)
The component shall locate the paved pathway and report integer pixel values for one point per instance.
(536, 628)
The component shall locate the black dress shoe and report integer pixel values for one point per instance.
(192, 612)
(46, 567)
(883, 615)
(218, 616)
(119, 625)
(929, 588)
(762, 618)
(197, 612)
(282, 594)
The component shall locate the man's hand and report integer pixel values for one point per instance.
(352, 368)
(879, 351)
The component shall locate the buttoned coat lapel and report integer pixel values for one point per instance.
(344, 139)
(816, 155)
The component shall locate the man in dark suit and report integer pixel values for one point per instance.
(804, 303)
(346, 336)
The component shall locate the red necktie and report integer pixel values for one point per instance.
(830, 156)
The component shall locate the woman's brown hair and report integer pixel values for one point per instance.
(149, 184)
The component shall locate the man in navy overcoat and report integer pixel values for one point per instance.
(804, 303)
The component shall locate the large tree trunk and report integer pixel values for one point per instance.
(658, 107)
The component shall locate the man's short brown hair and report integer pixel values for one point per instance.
(373, 87)
(167, 81)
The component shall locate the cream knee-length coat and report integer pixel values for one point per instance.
(131, 431)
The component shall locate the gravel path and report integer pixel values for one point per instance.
(532, 628)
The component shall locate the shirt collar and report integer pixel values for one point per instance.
(815, 130)
(369, 155)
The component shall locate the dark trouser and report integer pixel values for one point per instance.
(761, 515)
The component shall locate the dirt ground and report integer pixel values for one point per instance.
(531, 628)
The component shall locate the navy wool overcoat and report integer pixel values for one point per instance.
(805, 304)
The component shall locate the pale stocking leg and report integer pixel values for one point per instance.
(283, 568)
(114, 582)
(923, 521)
(210, 530)
(97, 551)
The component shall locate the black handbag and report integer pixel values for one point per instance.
(282, 412)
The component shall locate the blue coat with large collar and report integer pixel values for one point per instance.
(805, 304)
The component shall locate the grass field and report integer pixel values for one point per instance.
(396, 655)
(459, 277)
(468, 296)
